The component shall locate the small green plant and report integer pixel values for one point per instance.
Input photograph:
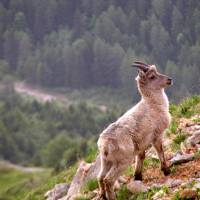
(151, 192)
(165, 189)
(196, 120)
(197, 154)
(173, 126)
(139, 196)
(150, 162)
(90, 185)
(91, 155)
(177, 141)
(123, 193)
(175, 147)
(187, 107)
(190, 185)
(172, 109)
(176, 196)
(198, 192)
(81, 198)
(129, 171)
(173, 169)
(179, 138)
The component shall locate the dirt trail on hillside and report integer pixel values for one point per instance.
(37, 93)
(21, 168)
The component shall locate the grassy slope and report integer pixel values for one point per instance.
(15, 184)
(26, 186)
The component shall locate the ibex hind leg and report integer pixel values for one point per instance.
(105, 167)
(111, 177)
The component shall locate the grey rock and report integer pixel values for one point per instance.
(195, 138)
(173, 182)
(85, 172)
(57, 192)
(178, 158)
(137, 187)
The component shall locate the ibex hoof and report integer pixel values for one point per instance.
(99, 197)
(166, 171)
(138, 177)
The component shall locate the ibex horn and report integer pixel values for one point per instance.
(141, 63)
(144, 67)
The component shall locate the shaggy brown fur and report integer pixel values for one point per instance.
(133, 132)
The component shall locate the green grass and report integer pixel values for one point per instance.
(64, 176)
(123, 193)
(176, 196)
(92, 154)
(173, 126)
(148, 161)
(90, 186)
(177, 141)
(82, 198)
(129, 171)
(196, 120)
(14, 184)
(179, 138)
(187, 107)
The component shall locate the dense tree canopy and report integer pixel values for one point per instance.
(45, 134)
(86, 43)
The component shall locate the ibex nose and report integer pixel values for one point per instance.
(169, 81)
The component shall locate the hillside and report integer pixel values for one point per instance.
(183, 180)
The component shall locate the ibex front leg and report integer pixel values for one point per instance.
(138, 166)
(159, 148)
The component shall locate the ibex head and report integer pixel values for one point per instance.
(150, 78)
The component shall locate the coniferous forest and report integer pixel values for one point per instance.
(82, 45)
(85, 44)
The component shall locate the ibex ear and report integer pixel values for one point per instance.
(141, 74)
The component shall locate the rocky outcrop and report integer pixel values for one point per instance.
(57, 192)
(85, 172)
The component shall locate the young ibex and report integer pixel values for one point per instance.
(132, 133)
